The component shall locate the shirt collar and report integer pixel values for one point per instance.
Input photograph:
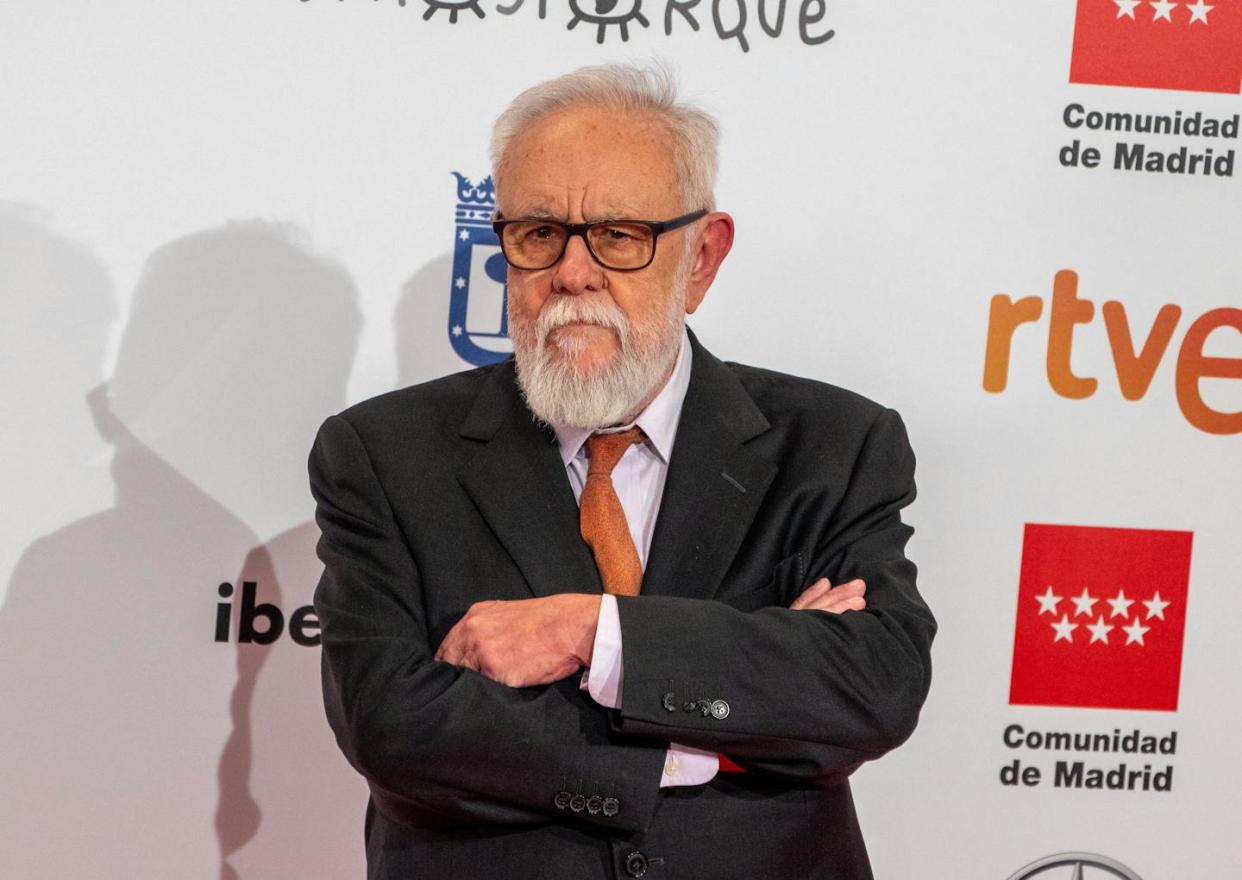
(658, 421)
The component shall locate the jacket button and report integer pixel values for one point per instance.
(669, 702)
(561, 800)
(577, 803)
(594, 804)
(720, 710)
(636, 864)
(612, 806)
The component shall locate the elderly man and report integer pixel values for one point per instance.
(615, 608)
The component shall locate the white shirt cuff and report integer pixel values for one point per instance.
(684, 765)
(602, 679)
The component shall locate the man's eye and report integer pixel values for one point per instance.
(541, 233)
(620, 235)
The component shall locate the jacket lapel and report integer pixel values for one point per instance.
(519, 485)
(714, 487)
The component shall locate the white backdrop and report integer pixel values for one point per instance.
(220, 222)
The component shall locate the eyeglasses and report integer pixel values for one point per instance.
(620, 245)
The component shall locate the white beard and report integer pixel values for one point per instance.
(561, 393)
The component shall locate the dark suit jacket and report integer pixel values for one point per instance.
(444, 494)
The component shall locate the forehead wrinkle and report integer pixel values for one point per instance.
(541, 198)
(594, 205)
(610, 207)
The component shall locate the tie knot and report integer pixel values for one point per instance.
(606, 450)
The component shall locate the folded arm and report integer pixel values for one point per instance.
(800, 693)
(804, 692)
(438, 742)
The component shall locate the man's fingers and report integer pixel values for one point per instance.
(822, 588)
(821, 596)
(812, 592)
(450, 651)
(512, 642)
(837, 604)
(852, 603)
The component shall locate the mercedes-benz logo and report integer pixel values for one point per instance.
(1082, 866)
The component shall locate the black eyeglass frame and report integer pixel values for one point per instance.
(657, 227)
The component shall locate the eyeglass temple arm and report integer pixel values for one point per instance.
(678, 222)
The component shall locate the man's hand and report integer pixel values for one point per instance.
(823, 596)
(524, 642)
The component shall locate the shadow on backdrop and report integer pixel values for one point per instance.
(239, 342)
(421, 322)
(59, 306)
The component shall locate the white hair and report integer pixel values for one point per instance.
(639, 91)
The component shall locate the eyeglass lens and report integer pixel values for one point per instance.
(539, 244)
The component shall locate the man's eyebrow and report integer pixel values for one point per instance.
(537, 213)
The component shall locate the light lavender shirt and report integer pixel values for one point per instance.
(639, 481)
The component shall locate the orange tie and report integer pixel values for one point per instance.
(603, 523)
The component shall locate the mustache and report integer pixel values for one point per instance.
(564, 310)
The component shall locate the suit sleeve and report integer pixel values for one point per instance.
(437, 743)
(804, 695)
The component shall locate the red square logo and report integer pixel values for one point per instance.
(1159, 44)
(1101, 615)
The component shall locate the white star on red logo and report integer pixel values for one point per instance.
(1199, 11)
(1164, 9)
(1083, 603)
(1099, 630)
(1155, 606)
(1121, 605)
(1134, 633)
(1065, 629)
(1125, 8)
(1048, 602)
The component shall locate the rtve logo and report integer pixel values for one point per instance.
(1135, 365)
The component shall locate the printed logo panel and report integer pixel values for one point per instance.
(478, 325)
(1194, 47)
(1101, 614)
(1076, 866)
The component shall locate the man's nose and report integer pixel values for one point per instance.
(577, 272)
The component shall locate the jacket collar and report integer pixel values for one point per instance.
(714, 487)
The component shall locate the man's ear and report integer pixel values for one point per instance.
(711, 246)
